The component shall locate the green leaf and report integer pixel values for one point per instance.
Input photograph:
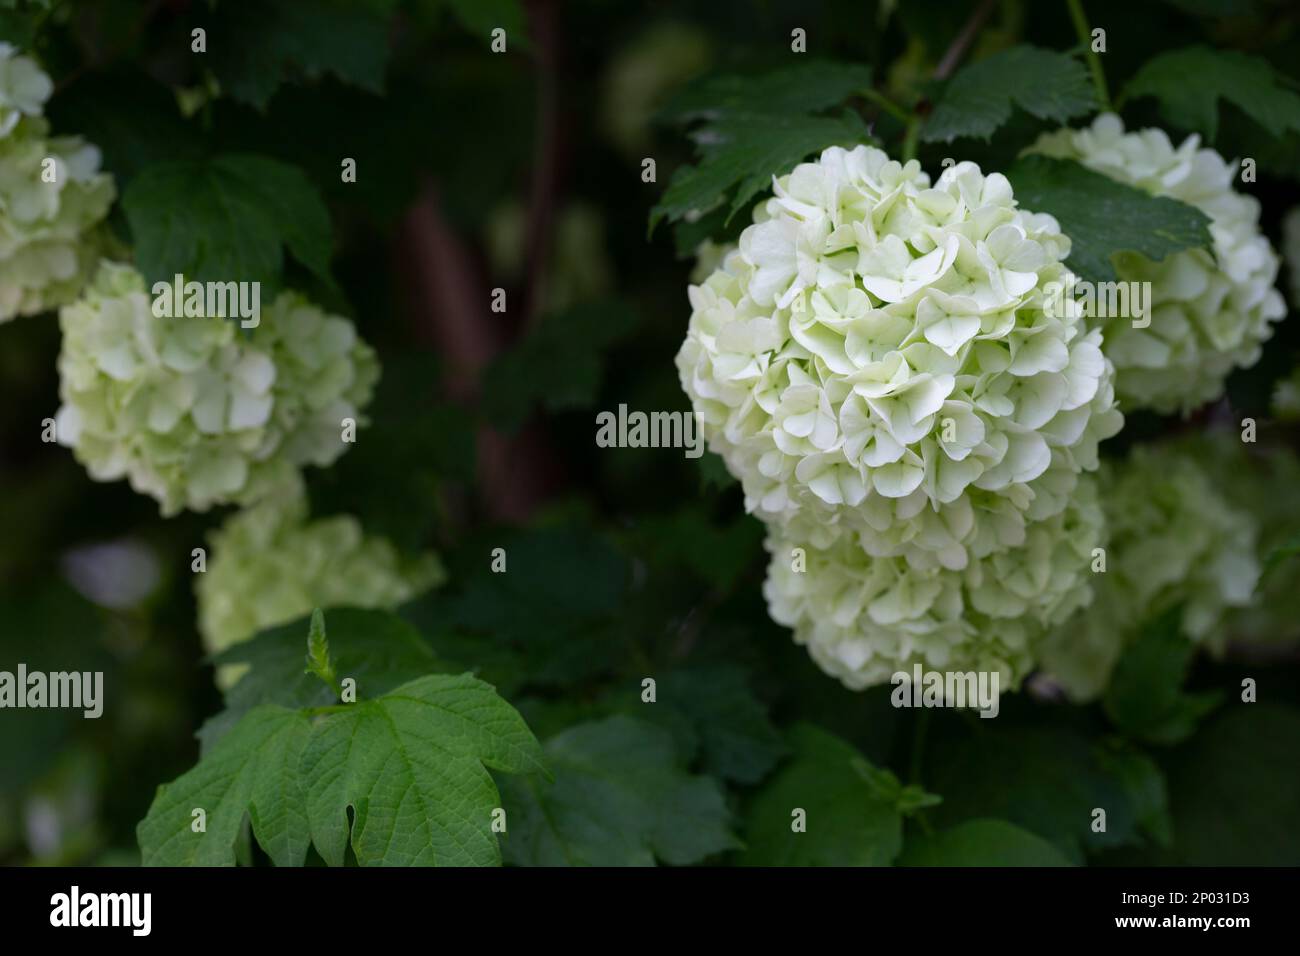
(1145, 699)
(979, 98)
(1144, 784)
(757, 128)
(409, 765)
(848, 823)
(481, 17)
(736, 740)
(1235, 790)
(1278, 556)
(557, 604)
(255, 48)
(226, 219)
(885, 784)
(621, 797)
(20, 23)
(742, 152)
(252, 771)
(808, 87)
(689, 538)
(981, 843)
(132, 118)
(715, 225)
(714, 474)
(377, 649)
(1103, 217)
(1188, 83)
(411, 768)
(557, 366)
(1047, 779)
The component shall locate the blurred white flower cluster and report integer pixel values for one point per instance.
(1259, 480)
(878, 364)
(52, 197)
(1175, 541)
(193, 412)
(1211, 311)
(270, 564)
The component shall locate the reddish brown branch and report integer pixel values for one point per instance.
(546, 160)
(957, 49)
(452, 314)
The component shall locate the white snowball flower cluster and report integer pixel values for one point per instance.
(865, 619)
(191, 410)
(270, 564)
(883, 365)
(1211, 311)
(52, 198)
(876, 359)
(1175, 540)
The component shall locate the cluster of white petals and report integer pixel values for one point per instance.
(53, 198)
(193, 411)
(875, 360)
(24, 88)
(865, 619)
(270, 565)
(1210, 310)
(1176, 540)
(1258, 480)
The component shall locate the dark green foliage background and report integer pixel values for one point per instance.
(640, 563)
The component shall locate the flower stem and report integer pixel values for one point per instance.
(1094, 61)
(888, 105)
(957, 49)
(911, 137)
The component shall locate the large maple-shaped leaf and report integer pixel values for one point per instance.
(376, 649)
(412, 767)
(981, 843)
(621, 797)
(258, 47)
(846, 821)
(980, 97)
(1103, 217)
(224, 219)
(743, 152)
(253, 771)
(1189, 83)
(805, 87)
